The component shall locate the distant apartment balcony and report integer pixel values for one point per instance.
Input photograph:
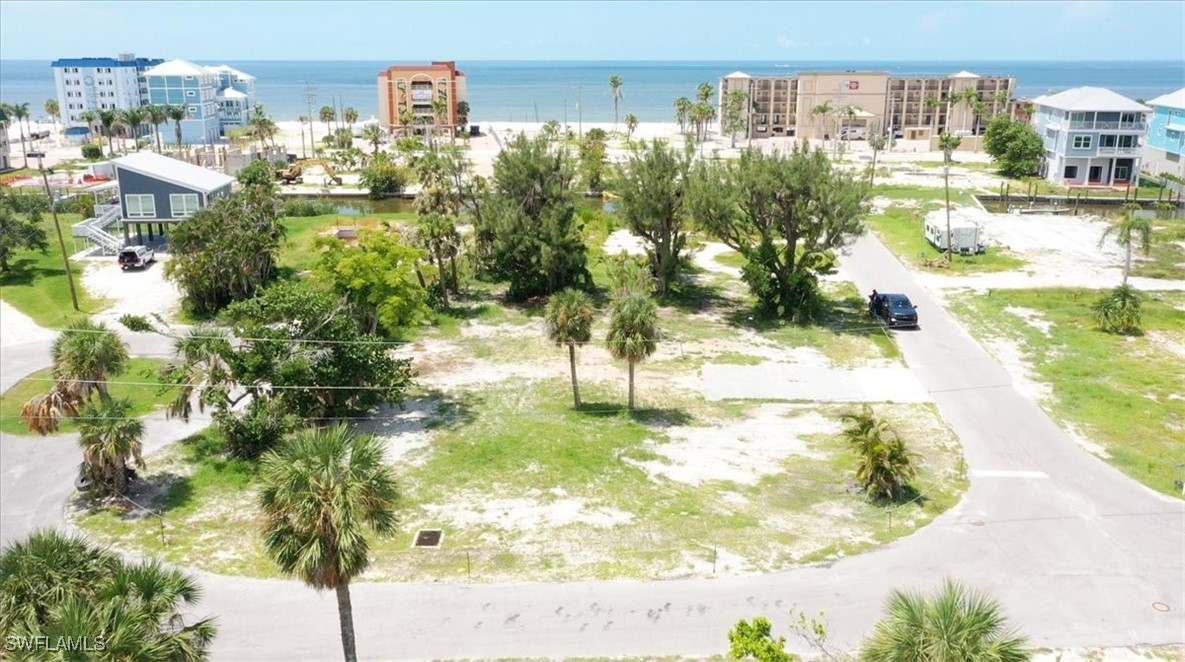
(1115, 126)
(1119, 151)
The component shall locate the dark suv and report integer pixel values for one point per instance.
(895, 310)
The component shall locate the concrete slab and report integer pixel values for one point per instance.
(789, 381)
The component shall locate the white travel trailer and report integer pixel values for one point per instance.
(966, 236)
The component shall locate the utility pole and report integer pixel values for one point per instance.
(57, 226)
(309, 98)
(946, 182)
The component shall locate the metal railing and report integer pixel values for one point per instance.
(94, 229)
(1119, 151)
(1119, 126)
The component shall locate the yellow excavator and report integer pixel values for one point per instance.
(330, 174)
(290, 174)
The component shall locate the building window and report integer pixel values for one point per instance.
(140, 206)
(1107, 141)
(190, 93)
(183, 205)
(1082, 142)
(1071, 172)
(1127, 141)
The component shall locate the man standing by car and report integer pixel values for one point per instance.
(872, 303)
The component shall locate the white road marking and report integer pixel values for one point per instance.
(1001, 473)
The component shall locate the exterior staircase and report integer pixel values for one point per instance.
(94, 229)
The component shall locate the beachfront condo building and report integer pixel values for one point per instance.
(216, 99)
(235, 97)
(99, 83)
(1165, 143)
(1092, 137)
(416, 97)
(5, 163)
(825, 104)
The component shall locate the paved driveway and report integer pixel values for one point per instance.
(1078, 554)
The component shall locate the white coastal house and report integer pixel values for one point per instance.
(1092, 136)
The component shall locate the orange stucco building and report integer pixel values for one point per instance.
(407, 93)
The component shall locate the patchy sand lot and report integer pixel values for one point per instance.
(135, 291)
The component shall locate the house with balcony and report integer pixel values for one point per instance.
(156, 191)
(1165, 143)
(194, 88)
(235, 97)
(1092, 137)
(96, 84)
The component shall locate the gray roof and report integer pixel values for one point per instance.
(1098, 99)
(174, 171)
(1170, 100)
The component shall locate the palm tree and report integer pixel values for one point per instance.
(633, 332)
(373, 134)
(682, 111)
(177, 114)
(877, 143)
(320, 492)
(133, 117)
(54, 112)
(1130, 229)
(885, 466)
(948, 144)
(462, 113)
(955, 625)
(437, 232)
(85, 354)
(110, 436)
(1118, 311)
(351, 115)
(823, 110)
(53, 585)
(90, 117)
(615, 85)
(156, 115)
(302, 120)
(703, 92)
(406, 117)
(19, 111)
(631, 125)
(440, 112)
(108, 119)
(569, 322)
(327, 115)
(932, 104)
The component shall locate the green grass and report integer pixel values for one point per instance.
(1123, 393)
(923, 193)
(1167, 254)
(900, 228)
(298, 252)
(144, 398)
(731, 259)
(498, 449)
(36, 282)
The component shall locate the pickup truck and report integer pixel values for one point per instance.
(136, 256)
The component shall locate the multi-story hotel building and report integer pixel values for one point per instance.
(99, 83)
(407, 93)
(825, 103)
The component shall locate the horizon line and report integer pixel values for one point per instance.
(248, 59)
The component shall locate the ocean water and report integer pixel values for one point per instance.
(501, 91)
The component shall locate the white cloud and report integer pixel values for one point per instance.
(786, 42)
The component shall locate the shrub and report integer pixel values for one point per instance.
(383, 177)
(1118, 311)
(256, 431)
(92, 152)
(885, 466)
(299, 207)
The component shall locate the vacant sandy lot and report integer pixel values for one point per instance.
(135, 291)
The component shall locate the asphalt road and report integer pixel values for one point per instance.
(1078, 554)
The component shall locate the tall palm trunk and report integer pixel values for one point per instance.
(575, 384)
(24, 152)
(452, 260)
(1127, 263)
(345, 613)
(631, 385)
(441, 277)
(177, 128)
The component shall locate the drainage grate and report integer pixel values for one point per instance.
(428, 538)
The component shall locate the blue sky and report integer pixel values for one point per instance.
(413, 31)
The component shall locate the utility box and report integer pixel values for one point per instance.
(966, 236)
